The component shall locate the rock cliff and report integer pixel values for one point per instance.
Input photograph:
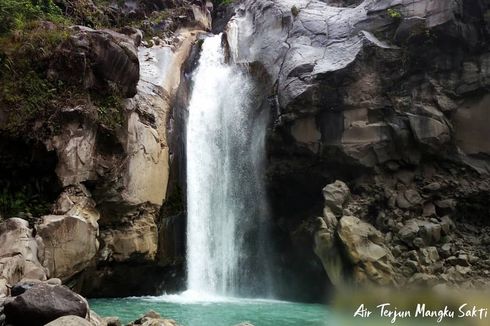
(389, 96)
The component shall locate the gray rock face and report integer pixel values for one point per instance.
(371, 85)
(44, 303)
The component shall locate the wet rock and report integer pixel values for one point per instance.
(112, 321)
(44, 303)
(152, 318)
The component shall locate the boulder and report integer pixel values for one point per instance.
(326, 248)
(366, 250)
(336, 195)
(70, 243)
(429, 131)
(100, 57)
(112, 321)
(69, 321)
(19, 254)
(44, 303)
(409, 231)
(152, 318)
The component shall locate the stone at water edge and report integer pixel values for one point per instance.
(44, 303)
(69, 321)
(112, 321)
(151, 318)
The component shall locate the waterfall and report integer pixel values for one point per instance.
(226, 213)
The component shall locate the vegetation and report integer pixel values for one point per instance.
(294, 11)
(23, 202)
(31, 30)
(394, 14)
(14, 14)
(110, 111)
(25, 91)
(224, 2)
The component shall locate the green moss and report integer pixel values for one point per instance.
(294, 11)
(394, 14)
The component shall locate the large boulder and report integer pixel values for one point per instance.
(70, 238)
(366, 250)
(336, 195)
(152, 318)
(69, 321)
(19, 254)
(44, 303)
(70, 243)
(100, 56)
(327, 249)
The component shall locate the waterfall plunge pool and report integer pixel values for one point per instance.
(190, 311)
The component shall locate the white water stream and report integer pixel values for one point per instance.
(226, 206)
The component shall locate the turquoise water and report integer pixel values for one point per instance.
(226, 312)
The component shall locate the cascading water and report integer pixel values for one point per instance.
(226, 252)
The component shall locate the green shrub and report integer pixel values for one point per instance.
(24, 201)
(14, 14)
(25, 92)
